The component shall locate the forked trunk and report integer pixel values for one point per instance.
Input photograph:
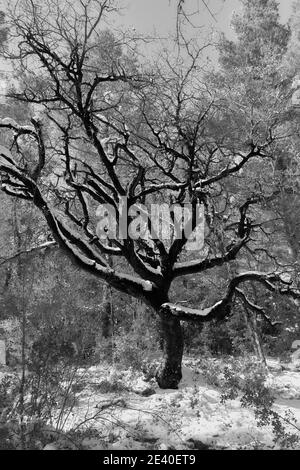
(169, 373)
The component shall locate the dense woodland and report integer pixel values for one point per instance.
(87, 121)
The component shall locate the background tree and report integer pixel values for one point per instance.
(257, 87)
(290, 209)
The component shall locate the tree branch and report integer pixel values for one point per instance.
(50, 244)
(221, 309)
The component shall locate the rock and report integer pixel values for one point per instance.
(50, 447)
(295, 344)
(295, 357)
(148, 392)
(148, 439)
(162, 446)
(144, 389)
(212, 396)
(276, 367)
(199, 445)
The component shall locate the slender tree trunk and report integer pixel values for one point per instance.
(289, 209)
(106, 325)
(256, 341)
(169, 373)
(106, 307)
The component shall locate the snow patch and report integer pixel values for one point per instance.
(147, 286)
(5, 151)
(189, 418)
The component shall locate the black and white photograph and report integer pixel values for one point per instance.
(149, 228)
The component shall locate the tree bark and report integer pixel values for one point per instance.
(256, 341)
(169, 373)
(106, 307)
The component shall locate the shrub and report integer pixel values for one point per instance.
(248, 382)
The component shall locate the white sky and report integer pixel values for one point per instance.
(160, 15)
(152, 17)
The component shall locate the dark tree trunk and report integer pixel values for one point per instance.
(169, 373)
(107, 307)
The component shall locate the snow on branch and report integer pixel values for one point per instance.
(198, 315)
(229, 170)
(9, 123)
(28, 251)
(256, 308)
(200, 265)
(274, 282)
(35, 131)
(5, 153)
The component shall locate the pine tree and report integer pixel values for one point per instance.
(293, 51)
(3, 29)
(261, 38)
(256, 86)
(252, 67)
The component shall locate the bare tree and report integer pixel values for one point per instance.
(110, 130)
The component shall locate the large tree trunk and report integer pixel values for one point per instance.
(169, 373)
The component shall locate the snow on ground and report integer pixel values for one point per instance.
(192, 417)
(120, 409)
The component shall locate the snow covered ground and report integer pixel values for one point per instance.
(192, 417)
(121, 409)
